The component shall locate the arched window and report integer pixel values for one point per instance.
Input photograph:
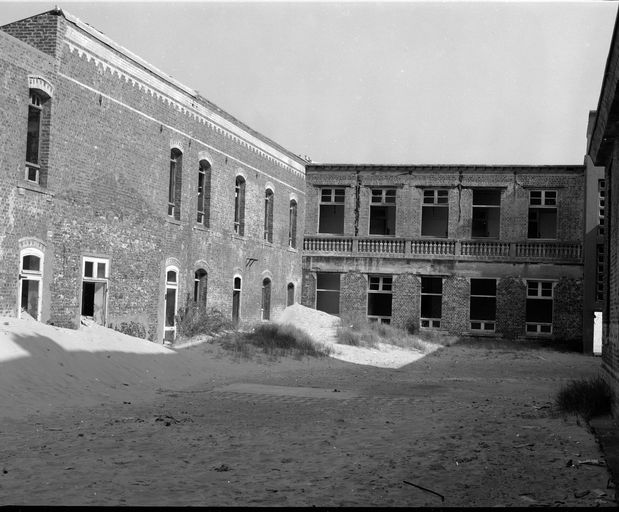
(171, 293)
(30, 278)
(268, 215)
(175, 184)
(292, 225)
(266, 299)
(200, 282)
(239, 206)
(37, 137)
(204, 193)
(290, 294)
(236, 300)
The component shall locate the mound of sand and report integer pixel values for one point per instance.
(322, 328)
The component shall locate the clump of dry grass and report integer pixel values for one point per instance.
(274, 340)
(585, 397)
(356, 330)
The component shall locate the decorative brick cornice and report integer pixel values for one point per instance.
(155, 83)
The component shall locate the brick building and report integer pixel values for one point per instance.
(126, 195)
(603, 151)
(479, 250)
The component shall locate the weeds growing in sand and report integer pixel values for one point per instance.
(274, 340)
(194, 320)
(585, 397)
(357, 331)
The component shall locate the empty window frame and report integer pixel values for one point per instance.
(33, 137)
(601, 205)
(268, 215)
(204, 193)
(328, 292)
(483, 305)
(175, 184)
(435, 213)
(239, 206)
(236, 300)
(266, 299)
(170, 304)
(292, 225)
(382, 211)
(380, 292)
(539, 307)
(486, 213)
(200, 284)
(30, 280)
(290, 294)
(95, 276)
(431, 302)
(599, 273)
(542, 214)
(331, 211)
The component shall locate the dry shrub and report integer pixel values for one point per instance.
(585, 397)
(274, 340)
(194, 320)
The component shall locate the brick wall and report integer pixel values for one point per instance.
(455, 304)
(567, 321)
(353, 294)
(405, 301)
(511, 307)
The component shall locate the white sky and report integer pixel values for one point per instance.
(404, 82)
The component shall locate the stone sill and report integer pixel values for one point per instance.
(33, 187)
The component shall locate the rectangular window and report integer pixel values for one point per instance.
(174, 184)
(204, 193)
(33, 137)
(539, 307)
(431, 302)
(483, 305)
(328, 292)
(239, 206)
(95, 274)
(542, 214)
(268, 216)
(599, 273)
(331, 215)
(486, 213)
(382, 211)
(435, 213)
(601, 205)
(292, 225)
(379, 298)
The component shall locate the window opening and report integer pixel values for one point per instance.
(236, 300)
(171, 296)
(290, 294)
(380, 298)
(383, 211)
(30, 279)
(266, 299)
(95, 277)
(268, 215)
(486, 213)
(539, 307)
(331, 214)
(239, 206)
(200, 282)
(542, 214)
(292, 225)
(601, 205)
(435, 213)
(599, 273)
(328, 292)
(33, 138)
(483, 305)
(431, 302)
(174, 189)
(204, 193)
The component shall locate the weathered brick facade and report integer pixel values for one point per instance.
(512, 258)
(113, 123)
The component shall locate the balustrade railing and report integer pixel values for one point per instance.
(452, 249)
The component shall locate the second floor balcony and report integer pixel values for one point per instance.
(492, 250)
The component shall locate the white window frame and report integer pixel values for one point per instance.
(430, 323)
(173, 286)
(484, 325)
(31, 275)
(540, 328)
(380, 284)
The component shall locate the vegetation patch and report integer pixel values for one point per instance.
(194, 321)
(274, 340)
(586, 398)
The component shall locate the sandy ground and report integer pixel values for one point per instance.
(84, 422)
